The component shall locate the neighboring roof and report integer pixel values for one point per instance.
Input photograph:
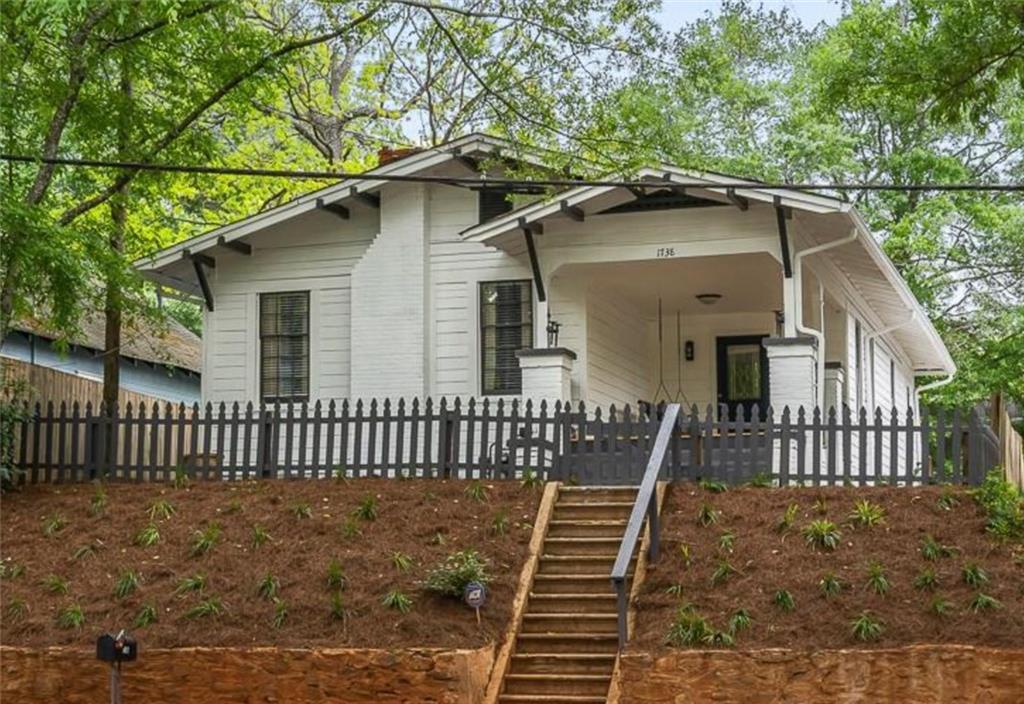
(173, 345)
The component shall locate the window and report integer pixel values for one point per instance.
(493, 202)
(284, 346)
(857, 367)
(506, 326)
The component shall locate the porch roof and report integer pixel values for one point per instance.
(870, 272)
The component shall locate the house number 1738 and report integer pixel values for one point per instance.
(666, 252)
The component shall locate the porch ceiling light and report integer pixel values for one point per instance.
(709, 298)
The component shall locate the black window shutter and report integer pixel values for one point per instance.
(493, 202)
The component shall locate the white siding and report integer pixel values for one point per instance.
(617, 353)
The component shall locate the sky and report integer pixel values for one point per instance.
(675, 13)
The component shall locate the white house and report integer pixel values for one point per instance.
(721, 292)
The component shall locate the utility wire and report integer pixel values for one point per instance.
(482, 180)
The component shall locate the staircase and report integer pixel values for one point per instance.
(565, 649)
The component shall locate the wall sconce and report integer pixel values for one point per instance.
(688, 350)
(552, 330)
(709, 298)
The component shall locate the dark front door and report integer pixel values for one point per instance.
(742, 375)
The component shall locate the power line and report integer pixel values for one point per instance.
(510, 182)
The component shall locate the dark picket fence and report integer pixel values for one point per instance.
(494, 440)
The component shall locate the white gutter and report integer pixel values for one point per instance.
(818, 335)
(933, 385)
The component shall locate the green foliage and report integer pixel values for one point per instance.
(147, 616)
(280, 614)
(127, 583)
(707, 514)
(932, 550)
(784, 600)
(459, 569)
(476, 491)
(712, 486)
(338, 610)
(161, 509)
(822, 534)
(1003, 504)
(739, 621)
(203, 541)
(71, 616)
(16, 610)
(55, 584)
(180, 479)
(531, 479)
(340, 474)
(830, 585)
(396, 599)
(940, 606)
(984, 602)
(723, 571)
(211, 606)
(234, 506)
(877, 582)
(677, 590)
(947, 500)
(350, 528)
(11, 570)
(54, 524)
(867, 514)
(788, 518)
(99, 500)
(685, 554)
(336, 575)
(927, 580)
(260, 536)
(500, 523)
(84, 551)
(302, 510)
(689, 628)
(195, 583)
(368, 508)
(820, 507)
(866, 627)
(761, 480)
(726, 541)
(974, 575)
(148, 536)
(268, 587)
(400, 561)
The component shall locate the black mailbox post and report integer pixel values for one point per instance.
(116, 650)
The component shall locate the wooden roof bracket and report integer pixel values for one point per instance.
(531, 249)
(781, 215)
(370, 199)
(737, 200)
(337, 208)
(199, 261)
(235, 245)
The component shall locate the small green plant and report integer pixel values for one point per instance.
(867, 514)
(338, 610)
(127, 582)
(677, 590)
(340, 474)
(877, 580)
(726, 541)
(55, 584)
(788, 518)
(784, 600)
(739, 621)
(932, 550)
(940, 606)
(947, 500)
(180, 479)
(401, 561)
(148, 536)
(707, 515)
(234, 506)
(830, 585)
(761, 480)
(689, 628)
(280, 614)
(866, 627)
(98, 502)
(335, 575)
(438, 538)
(926, 580)
(350, 528)
(161, 510)
(211, 606)
(459, 569)
(11, 570)
(712, 486)
(823, 534)
(499, 526)
(477, 491)
(70, 617)
(195, 583)
(84, 551)
(974, 575)
(260, 536)
(723, 639)
(16, 609)
(722, 573)
(302, 510)
(367, 510)
(268, 587)
(203, 541)
(147, 616)
(685, 553)
(531, 480)
(54, 524)
(396, 599)
(984, 602)
(820, 507)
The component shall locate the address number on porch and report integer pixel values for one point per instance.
(664, 252)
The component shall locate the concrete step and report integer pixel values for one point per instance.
(588, 494)
(593, 511)
(578, 564)
(572, 583)
(572, 622)
(605, 643)
(558, 683)
(565, 663)
(582, 546)
(587, 529)
(571, 603)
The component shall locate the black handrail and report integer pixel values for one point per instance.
(646, 503)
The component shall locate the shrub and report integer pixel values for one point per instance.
(974, 575)
(712, 486)
(932, 550)
(268, 587)
(984, 602)
(127, 582)
(335, 575)
(161, 509)
(16, 609)
(830, 585)
(689, 628)
(877, 581)
(302, 510)
(867, 514)
(338, 611)
(784, 600)
(98, 503)
(280, 614)
(788, 518)
(260, 536)
(148, 536)
(204, 540)
(180, 479)
(866, 627)
(476, 491)
(739, 621)
(940, 606)
(707, 515)
(1003, 506)
(401, 561)
(722, 573)
(54, 524)
(70, 617)
(822, 534)
(396, 599)
(205, 608)
(726, 541)
(367, 510)
(499, 526)
(195, 583)
(459, 569)
(926, 579)
(55, 584)
(147, 616)
(531, 479)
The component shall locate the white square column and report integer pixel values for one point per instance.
(792, 368)
(547, 373)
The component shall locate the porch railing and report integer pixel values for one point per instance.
(492, 440)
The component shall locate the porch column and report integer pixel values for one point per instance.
(547, 373)
(540, 325)
(835, 379)
(792, 367)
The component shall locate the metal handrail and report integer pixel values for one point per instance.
(646, 503)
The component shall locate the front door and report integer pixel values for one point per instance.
(742, 375)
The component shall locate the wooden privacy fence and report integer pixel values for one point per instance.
(494, 440)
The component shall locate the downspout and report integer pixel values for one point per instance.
(818, 335)
(933, 385)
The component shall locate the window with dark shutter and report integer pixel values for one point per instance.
(284, 346)
(506, 326)
(493, 202)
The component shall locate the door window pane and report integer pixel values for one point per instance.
(744, 372)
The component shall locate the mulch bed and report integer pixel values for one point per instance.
(768, 561)
(425, 519)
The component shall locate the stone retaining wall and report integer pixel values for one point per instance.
(925, 673)
(249, 676)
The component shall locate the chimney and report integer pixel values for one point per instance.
(386, 155)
